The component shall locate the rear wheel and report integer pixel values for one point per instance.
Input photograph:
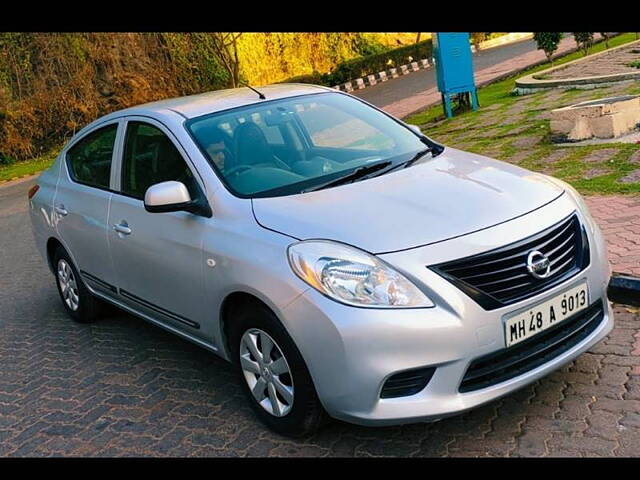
(78, 301)
(274, 376)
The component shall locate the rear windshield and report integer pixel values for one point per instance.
(283, 147)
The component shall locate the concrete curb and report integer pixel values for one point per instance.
(383, 76)
(624, 288)
(530, 83)
(373, 79)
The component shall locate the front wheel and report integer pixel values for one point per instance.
(274, 376)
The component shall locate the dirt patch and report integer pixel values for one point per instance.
(631, 177)
(599, 156)
(545, 115)
(554, 157)
(489, 133)
(515, 131)
(595, 172)
(635, 158)
(518, 157)
(526, 142)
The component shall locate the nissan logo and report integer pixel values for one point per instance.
(538, 264)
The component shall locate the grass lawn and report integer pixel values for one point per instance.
(28, 167)
(516, 129)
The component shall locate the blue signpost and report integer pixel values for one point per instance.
(454, 68)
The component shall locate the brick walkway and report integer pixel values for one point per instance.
(431, 96)
(619, 219)
(122, 387)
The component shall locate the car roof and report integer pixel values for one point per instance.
(210, 102)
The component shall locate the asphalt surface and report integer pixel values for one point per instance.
(391, 91)
(122, 387)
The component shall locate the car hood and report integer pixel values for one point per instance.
(453, 194)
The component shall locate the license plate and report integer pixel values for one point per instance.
(527, 323)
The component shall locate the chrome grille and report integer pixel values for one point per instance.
(500, 277)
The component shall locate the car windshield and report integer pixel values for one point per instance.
(298, 144)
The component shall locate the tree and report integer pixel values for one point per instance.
(548, 42)
(584, 40)
(477, 38)
(225, 46)
(606, 36)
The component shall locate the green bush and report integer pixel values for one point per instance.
(548, 42)
(316, 78)
(366, 46)
(584, 40)
(369, 64)
(477, 38)
(6, 160)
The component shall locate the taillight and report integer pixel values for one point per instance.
(32, 191)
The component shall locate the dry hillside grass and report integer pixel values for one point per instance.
(53, 84)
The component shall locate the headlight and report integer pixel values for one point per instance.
(579, 201)
(352, 276)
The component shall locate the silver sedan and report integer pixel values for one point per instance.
(347, 264)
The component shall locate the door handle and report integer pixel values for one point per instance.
(122, 228)
(60, 210)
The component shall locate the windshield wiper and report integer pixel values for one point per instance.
(357, 174)
(408, 163)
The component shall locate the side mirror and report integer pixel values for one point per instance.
(173, 196)
(415, 128)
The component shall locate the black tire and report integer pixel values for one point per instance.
(89, 307)
(307, 414)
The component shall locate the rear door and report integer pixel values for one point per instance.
(81, 204)
(158, 256)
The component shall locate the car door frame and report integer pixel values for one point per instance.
(140, 306)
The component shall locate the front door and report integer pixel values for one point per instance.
(158, 256)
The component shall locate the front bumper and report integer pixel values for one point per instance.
(350, 352)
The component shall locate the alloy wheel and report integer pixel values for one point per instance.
(68, 285)
(267, 372)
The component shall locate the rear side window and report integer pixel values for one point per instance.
(150, 157)
(89, 160)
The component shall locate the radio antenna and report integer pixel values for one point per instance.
(260, 95)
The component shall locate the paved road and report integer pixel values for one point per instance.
(383, 94)
(121, 387)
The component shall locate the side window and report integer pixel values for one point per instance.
(150, 158)
(89, 160)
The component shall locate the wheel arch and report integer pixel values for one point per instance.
(230, 304)
(52, 245)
